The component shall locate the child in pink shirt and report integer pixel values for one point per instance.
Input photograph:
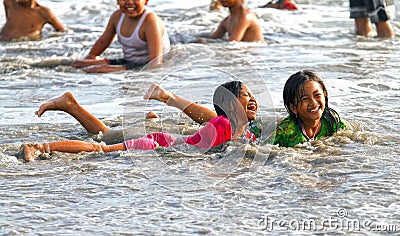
(234, 103)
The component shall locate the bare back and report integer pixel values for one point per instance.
(241, 25)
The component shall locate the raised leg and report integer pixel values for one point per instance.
(196, 112)
(68, 104)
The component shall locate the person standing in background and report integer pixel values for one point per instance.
(366, 11)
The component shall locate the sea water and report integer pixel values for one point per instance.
(347, 183)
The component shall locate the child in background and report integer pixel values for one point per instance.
(241, 24)
(233, 101)
(282, 5)
(140, 32)
(26, 18)
(306, 100)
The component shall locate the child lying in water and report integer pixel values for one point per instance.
(233, 101)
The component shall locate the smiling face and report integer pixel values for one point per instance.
(311, 104)
(249, 103)
(132, 8)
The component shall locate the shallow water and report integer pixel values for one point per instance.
(350, 179)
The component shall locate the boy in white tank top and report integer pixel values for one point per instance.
(140, 32)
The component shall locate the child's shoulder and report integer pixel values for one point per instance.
(151, 15)
(42, 9)
(340, 121)
(288, 133)
(286, 123)
(9, 2)
(152, 19)
(343, 124)
(117, 12)
(116, 15)
(220, 120)
(247, 15)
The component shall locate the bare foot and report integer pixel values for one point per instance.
(62, 103)
(30, 151)
(151, 115)
(155, 92)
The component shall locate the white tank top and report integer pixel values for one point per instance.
(136, 50)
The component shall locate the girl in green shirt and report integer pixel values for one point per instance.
(306, 100)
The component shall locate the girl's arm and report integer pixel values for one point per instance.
(153, 35)
(220, 32)
(196, 112)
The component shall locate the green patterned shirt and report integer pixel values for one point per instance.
(288, 133)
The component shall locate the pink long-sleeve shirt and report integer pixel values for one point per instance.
(214, 133)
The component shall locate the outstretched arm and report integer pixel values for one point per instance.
(220, 32)
(196, 112)
(154, 32)
(100, 45)
(106, 38)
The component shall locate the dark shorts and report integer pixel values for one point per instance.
(123, 62)
(373, 9)
(118, 135)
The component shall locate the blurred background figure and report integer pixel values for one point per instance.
(282, 5)
(366, 11)
(215, 5)
(26, 19)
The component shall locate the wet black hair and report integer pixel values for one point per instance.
(225, 101)
(294, 89)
